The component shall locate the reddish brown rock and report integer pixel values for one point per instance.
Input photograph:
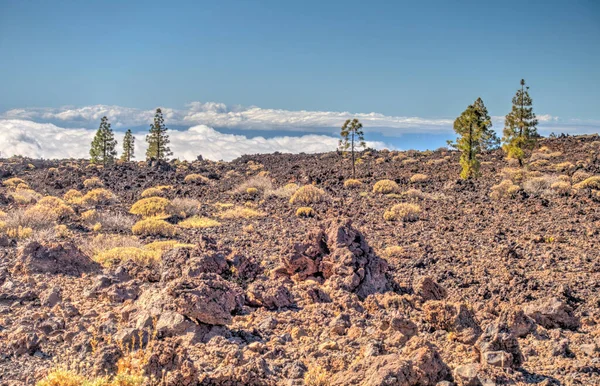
(552, 313)
(269, 294)
(53, 258)
(453, 317)
(428, 289)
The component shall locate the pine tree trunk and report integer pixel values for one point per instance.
(353, 163)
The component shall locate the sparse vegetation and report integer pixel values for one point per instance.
(153, 226)
(240, 212)
(307, 194)
(505, 189)
(403, 212)
(385, 187)
(197, 222)
(589, 183)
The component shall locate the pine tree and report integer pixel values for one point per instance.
(103, 149)
(158, 140)
(352, 138)
(473, 127)
(128, 146)
(520, 124)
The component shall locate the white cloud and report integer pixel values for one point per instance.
(45, 140)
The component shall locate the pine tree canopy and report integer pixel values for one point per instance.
(103, 148)
(520, 129)
(353, 137)
(128, 146)
(158, 139)
(473, 127)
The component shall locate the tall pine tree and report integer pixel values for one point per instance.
(520, 124)
(128, 146)
(474, 129)
(103, 149)
(352, 138)
(158, 140)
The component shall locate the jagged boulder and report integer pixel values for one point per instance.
(341, 256)
(496, 341)
(453, 317)
(269, 294)
(552, 313)
(427, 289)
(53, 258)
(206, 257)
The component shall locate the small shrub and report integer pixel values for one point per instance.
(153, 226)
(403, 212)
(98, 196)
(561, 187)
(564, 166)
(97, 227)
(385, 187)
(538, 186)
(248, 228)
(89, 216)
(505, 189)
(19, 232)
(197, 222)
(379, 160)
(115, 222)
(513, 174)
(185, 207)
(156, 191)
(61, 377)
(414, 194)
(409, 161)
(151, 207)
(56, 206)
(13, 182)
(166, 245)
(317, 376)
(260, 183)
(240, 212)
(25, 196)
(252, 191)
(308, 194)
(73, 197)
(305, 211)
(352, 184)
(419, 178)
(93, 182)
(580, 175)
(223, 205)
(285, 191)
(62, 231)
(589, 183)
(195, 179)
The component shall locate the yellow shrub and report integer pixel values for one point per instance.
(589, 183)
(195, 179)
(561, 187)
(352, 183)
(198, 222)
(248, 228)
(563, 166)
(308, 194)
(409, 161)
(2, 214)
(240, 212)
(419, 178)
(19, 232)
(62, 231)
(385, 186)
(24, 196)
(393, 252)
(93, 182)
(151, 207)
(166, 245)
(57, 206)
(403, 212)
(153, 227)
(73, 197)
(62, 377)
(291, 186)
(222, 205)
(513, 174)
(580, 175)
(305, 211)
(156, 191)
(317, 376)
(98, 197)
(2, 226)
(13, 182)
(504, 189)
(252, 191)
(122, 254)
(97, 227)
(89, 215)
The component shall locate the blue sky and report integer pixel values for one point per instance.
(426, 59)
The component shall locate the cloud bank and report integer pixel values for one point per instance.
(46, 140)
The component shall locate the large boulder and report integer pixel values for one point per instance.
(340, 255)
(207, 298)
(552, 313)
(419, 363)
(270, 294)
(53, 258)
(427, 289)
(453, 317)
(205, 257)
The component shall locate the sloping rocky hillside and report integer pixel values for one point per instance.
(279, 270)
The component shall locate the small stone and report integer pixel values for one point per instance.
(466, 375)
(497, 358)
(329, 345)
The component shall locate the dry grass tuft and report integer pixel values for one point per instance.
(308, 194)
(157, 191)
(403, 212)
(152, 207)
(93, 182)
(352, 184)
(305, 211)
(419, 178)
(198, 222)
(153, 226)
(317, 376)
(122, 254)
(185, 207)
(505, 189)
(385, 187)
(240, 212)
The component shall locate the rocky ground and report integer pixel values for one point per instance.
(480, 286)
